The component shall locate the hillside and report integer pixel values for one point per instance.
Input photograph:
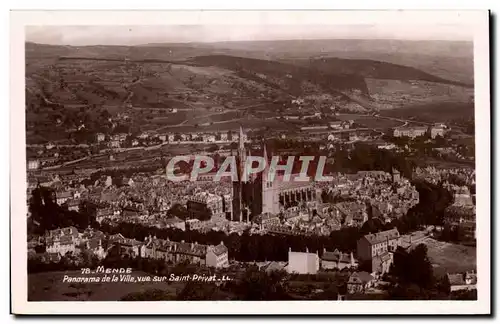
(451, 60)
(171, 86)
(288, 75)
(372, 69)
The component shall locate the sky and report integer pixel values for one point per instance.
(136, 35)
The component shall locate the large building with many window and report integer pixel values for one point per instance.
(377, 249)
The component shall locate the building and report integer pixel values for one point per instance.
(73, 204)
(462, 197)
(63, 196)
(190, 252)
(410, 131)
(337, 260)
(302, 262)
(437, 130)
(126, 246)
(154, 248)
(396, 175)
(359, 282)
(100, 137)
(260, 195)
(318, 127)
(204, 206)
(94, 245)
(462, 281)
(468, 228)
(62, 241)
(339, 125)
(114, 144)
(353, 213)
(175, 222)
(268, 219)
(33, 164)
(217, 256)
(377, 249)
(273, 266)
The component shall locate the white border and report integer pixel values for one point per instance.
(477, 20)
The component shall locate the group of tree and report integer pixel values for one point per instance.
(49, 215)
(412, 276)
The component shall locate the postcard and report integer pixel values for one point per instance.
(250, 162)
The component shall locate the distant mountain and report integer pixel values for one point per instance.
(308, 47)
(450, 60)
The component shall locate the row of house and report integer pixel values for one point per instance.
(69, 240)
(416, 131)
(376, 249)
(207, 255)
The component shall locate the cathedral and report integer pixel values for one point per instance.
(258, 195)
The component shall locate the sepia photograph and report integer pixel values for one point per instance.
(302, 158)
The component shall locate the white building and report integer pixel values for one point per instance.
(217, 256)
(302, 262)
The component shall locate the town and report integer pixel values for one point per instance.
(284, 182)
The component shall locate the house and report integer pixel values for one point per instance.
(302, 262)
(126, 246)
(61, 244)
(352, 212)
(462, 281)
(94, 245)
(63, 196)
(336, 124)
(33, 164)
(359, 282)
(268, 219)
(62, 240)
(437, 130)
(127, 182)
(337, 260)
(410, 131)
(190, 252)
(317, 127)
(210, 138)
(273, 266)
(158, 249)
(100, 137)
(377, 249)
(175, 222)
(49, 257)
(103, 214)
(114, 144)
(217, 256)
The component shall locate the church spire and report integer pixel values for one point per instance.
(242, 139)
(264, 154)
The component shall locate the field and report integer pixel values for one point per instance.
(48, 286)
(433, 112)
(449, 257)
(389, 94)
(375, 122)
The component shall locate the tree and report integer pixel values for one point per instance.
(413, 267)
(178, 210)
(258, 285)
(443, 285)
(212, 148)
(148, 295)
(197, 291)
